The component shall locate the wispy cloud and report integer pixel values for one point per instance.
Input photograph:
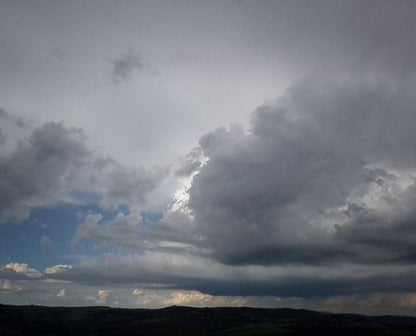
(124, 66)
(18, 121)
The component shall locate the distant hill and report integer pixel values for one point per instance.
(39, 320)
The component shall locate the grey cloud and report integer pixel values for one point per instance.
(124, 66)
(170, 271)
(57, 293)
(54, 164)
(33, 174)
(285, 191)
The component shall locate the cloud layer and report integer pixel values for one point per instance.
(45, 289)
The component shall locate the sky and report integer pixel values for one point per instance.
(209, 153)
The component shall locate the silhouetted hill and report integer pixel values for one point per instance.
(39, 320)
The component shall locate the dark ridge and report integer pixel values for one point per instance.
(178, 320)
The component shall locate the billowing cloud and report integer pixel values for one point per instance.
(325, 173)
(54, 165)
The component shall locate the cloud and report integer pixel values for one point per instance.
(178, 271)
(204, 283)
(124, 66)
(317, 169)
(163, 298)
(198, 299)
(57, 269)
(44, 292)
(19, 271)
(191, 163)
(54, 165)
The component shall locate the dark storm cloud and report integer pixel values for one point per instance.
(124, 66)
(54, 163)
(310, 181)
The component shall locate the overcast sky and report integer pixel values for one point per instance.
(209, 153)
